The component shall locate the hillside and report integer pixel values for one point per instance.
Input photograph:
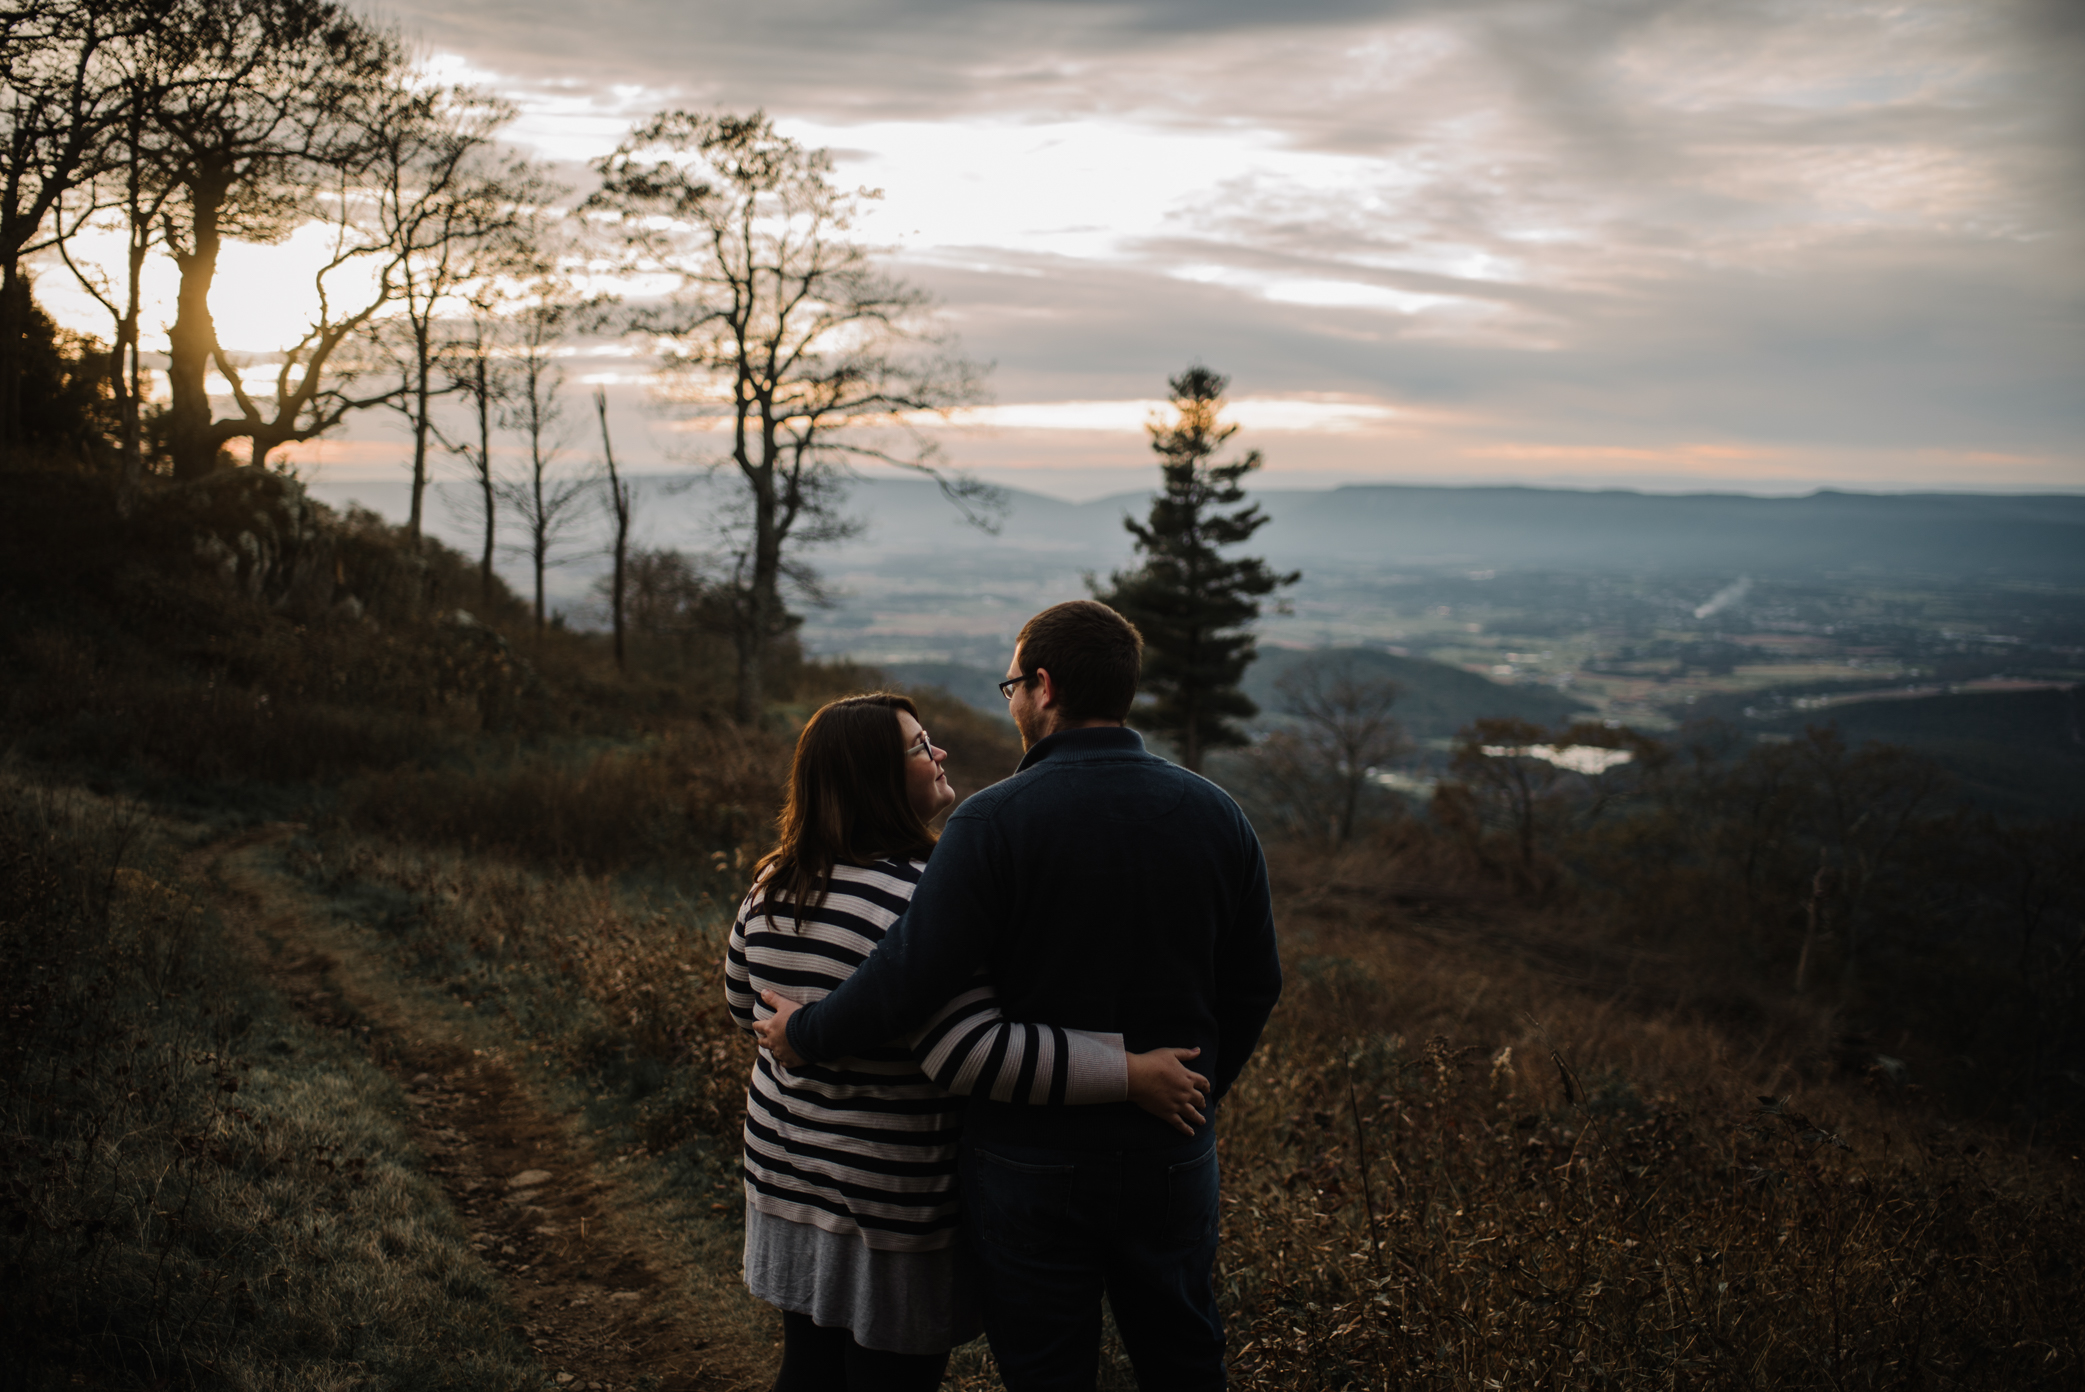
(366, 1023)
(2019, 753)
(1434, 700)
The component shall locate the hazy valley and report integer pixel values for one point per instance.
(1651, 611)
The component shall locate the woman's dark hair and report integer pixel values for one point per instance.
(847, 801)
(1093, 656)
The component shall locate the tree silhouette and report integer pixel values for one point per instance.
(1344, 733)
(786, 336)
(268, 111)
(62, 93)
(457, 212)
(548, 501)
(1191, 603)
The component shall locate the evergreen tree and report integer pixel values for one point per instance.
(1190, 602)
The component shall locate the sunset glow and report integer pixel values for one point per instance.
(1749, 249)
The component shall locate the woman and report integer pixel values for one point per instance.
(851, 1209)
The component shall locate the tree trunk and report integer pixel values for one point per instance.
(536, 555)
(14, 297)
(749, 650)
(621, 502)
(193, 338)
(131, 372)
(763, 602)
(539, 536)
(420, 426)
(622, 533)
(484, 395)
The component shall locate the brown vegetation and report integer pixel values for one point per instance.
(1477, 1152)
(1507, 1126)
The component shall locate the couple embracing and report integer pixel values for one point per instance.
(1005, 1015)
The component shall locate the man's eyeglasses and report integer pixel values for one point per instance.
(923, 745)
(1006, 688)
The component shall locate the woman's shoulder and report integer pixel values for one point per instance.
(885, 871)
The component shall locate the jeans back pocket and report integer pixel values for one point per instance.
(1191, 1188)
(1023, 1207)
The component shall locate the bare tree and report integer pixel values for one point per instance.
(313, 380)
(785, 334)
(475, 371)
(547, 501)
(494, 285)
(1317, 771)
(1343, 718)
(619, 505)
(453, 208)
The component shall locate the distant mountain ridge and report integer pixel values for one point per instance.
(2037, 537)
(2040, 537)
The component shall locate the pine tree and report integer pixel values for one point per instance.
(1191, 603)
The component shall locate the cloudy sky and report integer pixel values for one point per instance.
(1638, 243)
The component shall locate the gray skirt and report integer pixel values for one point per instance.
(900, 1302)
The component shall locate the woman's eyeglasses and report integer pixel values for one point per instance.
(923, 745)
(1006, 688)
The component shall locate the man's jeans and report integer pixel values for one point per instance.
(1051, 1229)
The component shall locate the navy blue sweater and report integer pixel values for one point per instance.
(1104, 889)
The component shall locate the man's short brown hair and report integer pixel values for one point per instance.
(1093, 656)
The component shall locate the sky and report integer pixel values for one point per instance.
(1662, 244)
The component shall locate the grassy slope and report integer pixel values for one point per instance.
(202, 1187)
(1464, 1221)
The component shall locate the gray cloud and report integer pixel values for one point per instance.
(1697, 219)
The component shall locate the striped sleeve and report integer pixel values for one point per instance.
(970, 1049)
(739, 996)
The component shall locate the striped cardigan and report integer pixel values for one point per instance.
(867, 1145)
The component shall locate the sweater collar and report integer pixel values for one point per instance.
(1097, 741)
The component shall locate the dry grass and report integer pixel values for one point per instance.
(1447, 1167)
(1415, 1194)
(199, 1189)
(1505, 1128)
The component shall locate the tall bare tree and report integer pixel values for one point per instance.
(476, 372)
(785, 334)
(454, 208)
(620, 504)
(547, 500)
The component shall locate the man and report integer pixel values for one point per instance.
(1104, 889)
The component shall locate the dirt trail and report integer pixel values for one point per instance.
(600, 1304)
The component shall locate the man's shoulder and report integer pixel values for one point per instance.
(1043, 785)
(989, 801)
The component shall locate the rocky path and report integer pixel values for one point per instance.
(603, 1304)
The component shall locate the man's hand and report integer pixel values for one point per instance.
(1162, 1084)
(774, 1030)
